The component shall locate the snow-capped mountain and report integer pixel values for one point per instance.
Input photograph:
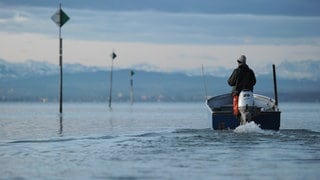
(308, 69)
(32, 68)
(298, 70)
(26, 69)
(32, 80)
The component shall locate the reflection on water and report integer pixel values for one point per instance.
(98, 119)
(61, 124)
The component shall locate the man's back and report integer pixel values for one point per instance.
(242, 78)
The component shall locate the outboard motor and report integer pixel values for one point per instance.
(246, 106)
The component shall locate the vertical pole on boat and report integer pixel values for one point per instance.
(113, 56)
(275, 84)
(131, 86)
(204, 82)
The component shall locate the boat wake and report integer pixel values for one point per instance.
(249, 128)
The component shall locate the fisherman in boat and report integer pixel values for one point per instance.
(242, 78)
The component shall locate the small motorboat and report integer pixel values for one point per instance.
(263, 110)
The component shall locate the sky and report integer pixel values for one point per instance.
(166, 35)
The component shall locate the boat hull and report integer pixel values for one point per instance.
(226, 120)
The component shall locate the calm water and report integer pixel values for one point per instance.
(153, 141)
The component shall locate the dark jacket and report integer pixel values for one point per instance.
(242, 78)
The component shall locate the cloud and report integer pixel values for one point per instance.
(26, 20)
(19, 18)
(307, 69)
(2, 21)
(166, 57)
(163, 27)
(167, 38)
(261, 7)
(13, 18)
(166, 27)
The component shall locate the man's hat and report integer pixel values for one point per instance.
(242, 59)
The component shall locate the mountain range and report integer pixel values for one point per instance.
(39, 81)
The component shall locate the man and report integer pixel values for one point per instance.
(241, 78)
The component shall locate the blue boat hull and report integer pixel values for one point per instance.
(226, 120)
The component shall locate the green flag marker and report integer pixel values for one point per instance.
(113, 55)
(60, 17)
(131, 73)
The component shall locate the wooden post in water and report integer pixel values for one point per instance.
(61, 70)
(60, 18)
(275, 84)
(113, 56)
(131, 86)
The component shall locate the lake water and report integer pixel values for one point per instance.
(153, 141)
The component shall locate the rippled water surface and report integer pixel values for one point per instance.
(153, 141)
